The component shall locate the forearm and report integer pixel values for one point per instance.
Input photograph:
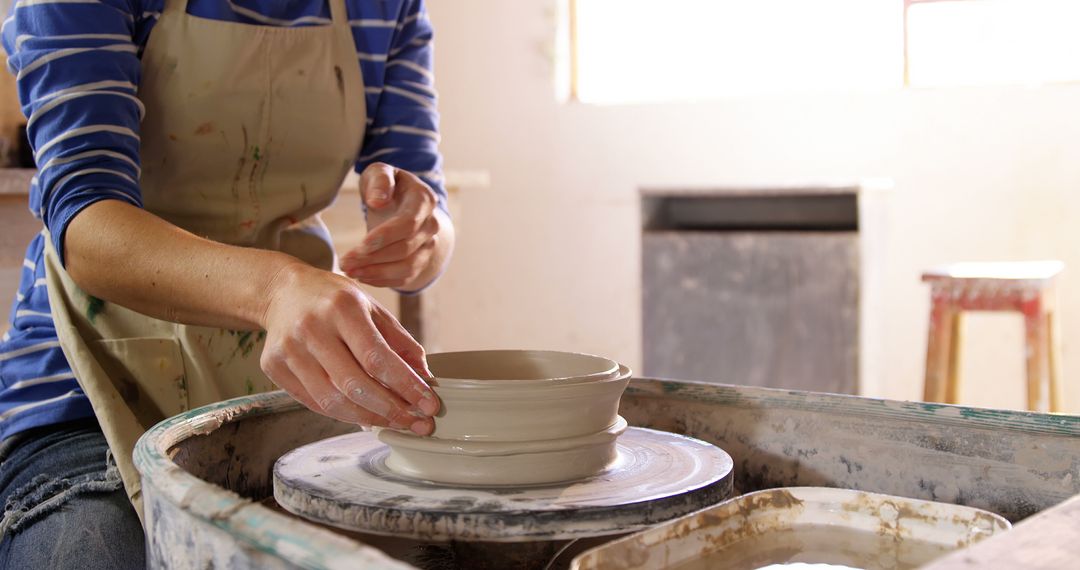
(125, 255)
(444, 248)
(327, 343)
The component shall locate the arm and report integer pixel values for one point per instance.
(328, 344)
(167, 272)
(410, 236)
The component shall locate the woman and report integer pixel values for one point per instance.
(184, 149)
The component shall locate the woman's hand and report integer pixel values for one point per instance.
(341, 354)
(328, 344)
(409, 238)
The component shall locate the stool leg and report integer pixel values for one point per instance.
(1053, 332)
(1036, 327)
(938, 349)
(952, 388)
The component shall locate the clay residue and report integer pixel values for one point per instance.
(884, 447)
(212, 421)
(777, 499)
(765, 509)
(206, 425)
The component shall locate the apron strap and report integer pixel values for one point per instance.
(175, 7)
(337, 13)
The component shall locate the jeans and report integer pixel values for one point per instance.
(64, 505)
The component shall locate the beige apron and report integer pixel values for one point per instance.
(249, 133)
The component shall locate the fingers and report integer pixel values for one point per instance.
(314, 391)
(280, 374)
(377, 185)
(326, 350)
(401, 341)
(396, 251)
(417, 205)
(361, 389)
(383, 364)
(397, 273)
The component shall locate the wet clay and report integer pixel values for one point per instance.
(502, 463)
(468, 368)
(525, 395)
(516, 417)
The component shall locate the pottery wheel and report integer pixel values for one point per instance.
(344, 482)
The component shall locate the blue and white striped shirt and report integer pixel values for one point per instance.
(77, 64)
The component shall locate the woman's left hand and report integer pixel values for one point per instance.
(409, 237)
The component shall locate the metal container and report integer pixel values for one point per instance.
(812, 525)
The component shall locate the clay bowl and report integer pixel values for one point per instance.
(516, 417)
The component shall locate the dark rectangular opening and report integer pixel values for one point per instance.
(775, 212)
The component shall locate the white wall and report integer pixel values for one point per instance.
(549, 255)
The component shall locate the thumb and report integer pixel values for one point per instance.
(377, 185)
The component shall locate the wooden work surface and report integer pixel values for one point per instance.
(1048, 541)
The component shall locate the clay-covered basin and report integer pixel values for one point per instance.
(516, 417)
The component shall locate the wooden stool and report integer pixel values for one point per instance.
(1026, 287)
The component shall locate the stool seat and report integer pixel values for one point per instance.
(995, 271)
(1027, 287)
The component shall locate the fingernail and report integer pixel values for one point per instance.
(382, 196)
(420, 427)
(429, 405)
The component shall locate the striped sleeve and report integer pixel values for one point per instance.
(77, 72)
(404, 130)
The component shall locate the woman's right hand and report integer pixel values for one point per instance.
(341, 354)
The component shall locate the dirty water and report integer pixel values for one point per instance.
(819, 548)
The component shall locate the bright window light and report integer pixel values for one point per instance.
(977, 42)
(649, 50)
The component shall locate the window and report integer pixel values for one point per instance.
(626, 51)
(978, 42)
